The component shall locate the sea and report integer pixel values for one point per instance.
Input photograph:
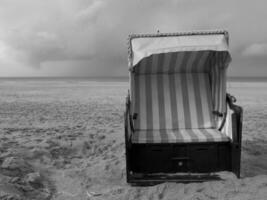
(114, 79)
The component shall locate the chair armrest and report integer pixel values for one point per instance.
(129, 129)
(236, 119)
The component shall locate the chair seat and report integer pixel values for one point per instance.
(179, 136)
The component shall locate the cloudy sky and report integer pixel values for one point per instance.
(89, 37)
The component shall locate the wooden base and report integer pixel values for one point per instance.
(136, 179)
(174, 158)
(159, 162)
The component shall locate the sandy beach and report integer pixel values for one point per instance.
(63, 139)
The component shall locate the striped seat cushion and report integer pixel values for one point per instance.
(172, 101)
(178, 136)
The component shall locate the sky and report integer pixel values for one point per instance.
(89, 37)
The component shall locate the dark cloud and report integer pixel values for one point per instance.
(93, 33)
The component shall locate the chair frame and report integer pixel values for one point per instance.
(149, 164)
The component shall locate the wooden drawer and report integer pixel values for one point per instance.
(203, 158)
(199, 158)
(152, 158)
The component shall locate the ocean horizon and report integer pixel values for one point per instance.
(115, 79)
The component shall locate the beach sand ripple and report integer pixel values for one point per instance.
(64, 139)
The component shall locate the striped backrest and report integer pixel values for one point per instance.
(211, 62)
(176, 62)
(172, 101)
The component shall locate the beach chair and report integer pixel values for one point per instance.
(180, 124)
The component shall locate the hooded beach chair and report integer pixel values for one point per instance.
(180, 124)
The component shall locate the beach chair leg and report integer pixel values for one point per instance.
(236, 145)
(236, 159)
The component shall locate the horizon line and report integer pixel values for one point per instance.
(228, 77)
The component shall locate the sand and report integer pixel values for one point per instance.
(64, 139)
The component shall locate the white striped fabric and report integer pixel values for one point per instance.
(227, 129)
(179, 136)
(218, 79)
(141, 46)
(211, 62)
(172, 101)
(175, 62)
